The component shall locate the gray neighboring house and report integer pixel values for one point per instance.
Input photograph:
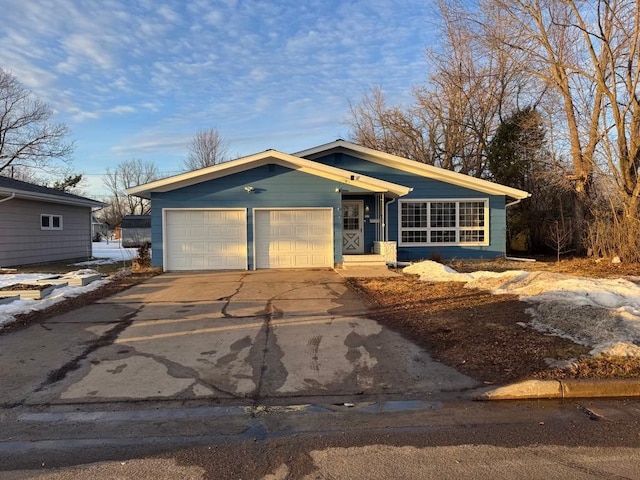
(41, 225)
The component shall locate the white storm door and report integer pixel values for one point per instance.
(352, 227)
(205, 239)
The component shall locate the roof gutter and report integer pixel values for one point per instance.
(13, 195)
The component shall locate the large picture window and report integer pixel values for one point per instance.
(51, 222)
(437, 222)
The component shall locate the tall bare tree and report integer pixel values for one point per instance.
(588, 53)
(456, 112)
(126, 175)
(391, 129)
(27, 138)
(207, 148)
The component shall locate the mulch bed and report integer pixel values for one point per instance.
(21, 287)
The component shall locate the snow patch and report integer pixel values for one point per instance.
(104, 252)
(601, 313)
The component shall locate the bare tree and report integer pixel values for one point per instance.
(390, 129)
(456, 112)
(126, 175)
(588, 53)
(207, 148)
(27, 139)
(558, 236)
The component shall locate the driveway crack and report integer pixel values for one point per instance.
(106, 339)
(228, 298)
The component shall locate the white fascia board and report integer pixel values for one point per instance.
(264, 158)
(414, 167)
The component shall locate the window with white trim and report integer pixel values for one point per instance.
(444, 222)
(50, 222)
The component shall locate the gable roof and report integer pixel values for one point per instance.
(12, 188)
(414, 167)
(264, 158)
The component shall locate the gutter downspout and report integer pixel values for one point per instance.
(510, 204)
(13, 195)
(386, 216)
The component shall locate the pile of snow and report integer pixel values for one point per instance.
(601, 313)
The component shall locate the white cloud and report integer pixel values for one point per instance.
(121, 109)
(257, 70)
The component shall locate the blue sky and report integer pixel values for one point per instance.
(137, 78)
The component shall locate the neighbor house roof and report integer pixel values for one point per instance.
(414, 167)
(12, 188)
(264, 158)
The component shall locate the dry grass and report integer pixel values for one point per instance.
(480, 334)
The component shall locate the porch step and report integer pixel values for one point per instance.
(369, 260)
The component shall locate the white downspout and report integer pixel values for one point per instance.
(510, 204)
(8, 198)
(515, 202)
(386, 215)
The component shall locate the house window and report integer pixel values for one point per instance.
(438, 222)
(50, 222)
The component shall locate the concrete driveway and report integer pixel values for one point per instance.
(228, 336)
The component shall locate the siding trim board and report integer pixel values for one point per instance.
(270, 157)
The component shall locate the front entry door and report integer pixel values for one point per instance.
(352, 231)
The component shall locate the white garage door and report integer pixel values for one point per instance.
(294, 238)
(205, 239)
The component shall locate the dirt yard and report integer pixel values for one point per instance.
(481, 334)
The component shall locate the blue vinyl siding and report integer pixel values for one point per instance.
(426, 188)
(274, 187)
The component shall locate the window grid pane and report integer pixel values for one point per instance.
(414, 215)
(438, 222)
(472, 214)
(443, 214)
(470, 236)
(414, 236)
(443, 236)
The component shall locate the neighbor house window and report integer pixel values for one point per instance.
(437, 222)
(50, 222)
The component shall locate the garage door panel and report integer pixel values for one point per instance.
(205, 239)
(294, 238)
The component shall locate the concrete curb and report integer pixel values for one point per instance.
(569, 388)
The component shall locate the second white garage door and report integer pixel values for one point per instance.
(293, 238)
(207, 239)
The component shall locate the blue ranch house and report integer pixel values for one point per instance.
(322, 207)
